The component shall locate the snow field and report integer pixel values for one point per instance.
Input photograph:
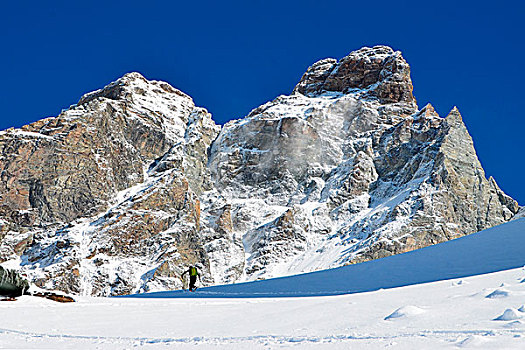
(465, 293)
(437, 315)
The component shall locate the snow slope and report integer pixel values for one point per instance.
(495, 249)
(485, 311)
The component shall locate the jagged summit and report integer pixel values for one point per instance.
(427, 112)
(126, 161)
(144, 95)
(120, 192)
(115, 90)
(380, 70)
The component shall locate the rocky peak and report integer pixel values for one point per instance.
(454, 117)
(427, 112)
(380, 70)
(66, 167)
(123, 190)
(130, 84)
(108, 190)
(115, 90)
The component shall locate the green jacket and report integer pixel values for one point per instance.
(192, 271)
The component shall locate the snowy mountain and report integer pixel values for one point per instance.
(121, 191)
(475, 301)
(347, 169)
(103, 199)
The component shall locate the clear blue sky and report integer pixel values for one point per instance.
(232, 56)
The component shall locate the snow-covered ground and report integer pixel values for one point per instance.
(477, 301)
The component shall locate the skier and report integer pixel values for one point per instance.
(194, 273)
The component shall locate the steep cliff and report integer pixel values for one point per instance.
(103, 199)
(347, 169)
(122, 191)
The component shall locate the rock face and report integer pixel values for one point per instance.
(378, 72)
(347, 169)
(103, 199)
(120, 192)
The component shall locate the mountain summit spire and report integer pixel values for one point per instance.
(119, 193)
(380, 69)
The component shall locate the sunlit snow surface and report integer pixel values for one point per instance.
(469, 308)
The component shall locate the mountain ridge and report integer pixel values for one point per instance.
(124, 189)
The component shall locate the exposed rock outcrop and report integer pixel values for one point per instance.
(378, 72)
(103, 199)
(369, 173)
(122, 191)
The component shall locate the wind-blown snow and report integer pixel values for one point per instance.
(510, 315)
(405, 311)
